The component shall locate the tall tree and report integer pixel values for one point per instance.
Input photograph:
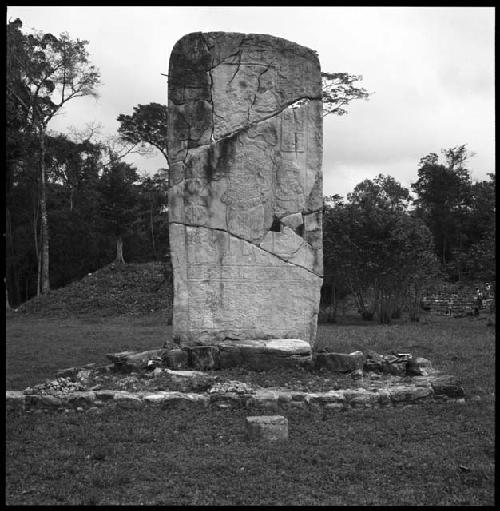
(45, 73)
(443, 194)
(119, 201)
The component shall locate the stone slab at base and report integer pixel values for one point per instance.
(260, 354)
(134, 361)
(267, 427)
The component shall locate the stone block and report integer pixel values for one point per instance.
(50, 401)
(128, 361)
(176, 359)
(418, 367)
(262, 355)
(265, 399)
(245, 190)
(338, 362)
(447, 385)
(105, 395)
(205, 358)
(176, 399)
(229, 399)
(267, 427)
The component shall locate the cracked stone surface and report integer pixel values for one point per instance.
(245, 196)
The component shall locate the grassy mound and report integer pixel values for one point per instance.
(113, 290)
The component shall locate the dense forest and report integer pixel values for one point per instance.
(74, 205)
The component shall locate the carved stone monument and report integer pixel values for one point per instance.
(245, 196)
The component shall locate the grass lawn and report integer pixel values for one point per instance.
(428, 454)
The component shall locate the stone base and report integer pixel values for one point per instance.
(262, 355)
(267, 427)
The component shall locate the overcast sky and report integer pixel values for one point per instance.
(431, 71)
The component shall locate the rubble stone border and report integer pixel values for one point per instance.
(422, 388)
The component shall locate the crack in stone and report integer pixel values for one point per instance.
(249, 125)
(254, 244)
(211, 89)
(256, 92)
(238, 65)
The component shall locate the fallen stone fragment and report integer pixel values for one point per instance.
(267, 427)
(447, 385)
(418, 367)
(394, 367)
(136, 361)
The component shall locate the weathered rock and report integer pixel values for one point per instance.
(396, 368)
(447, 385)
(128, 400)
(338, 362)
(245, 188)
(260, 355)
(176, 359)
(267, 427)
(204, 358)
(373, 361)
(267, 399)
(418, 367)
(136, 361)
(105, 395)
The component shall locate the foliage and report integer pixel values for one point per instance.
(146, 125)
(44, 72)
(460, 214)
(375, 249)
(338, 90)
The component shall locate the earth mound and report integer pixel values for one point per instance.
(115, 289)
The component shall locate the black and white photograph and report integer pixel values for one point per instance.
(250, 255)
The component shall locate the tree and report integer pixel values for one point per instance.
(339, 90)
(146, 125)
(153, 199)
(45, 72)
(374, 248)
(118, 201)
(443, 195)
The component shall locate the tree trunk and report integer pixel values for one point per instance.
(7, 304)
(119, 250)
(152, 232)
(39, 271)
(45, 285)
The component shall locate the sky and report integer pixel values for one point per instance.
(430, 71)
